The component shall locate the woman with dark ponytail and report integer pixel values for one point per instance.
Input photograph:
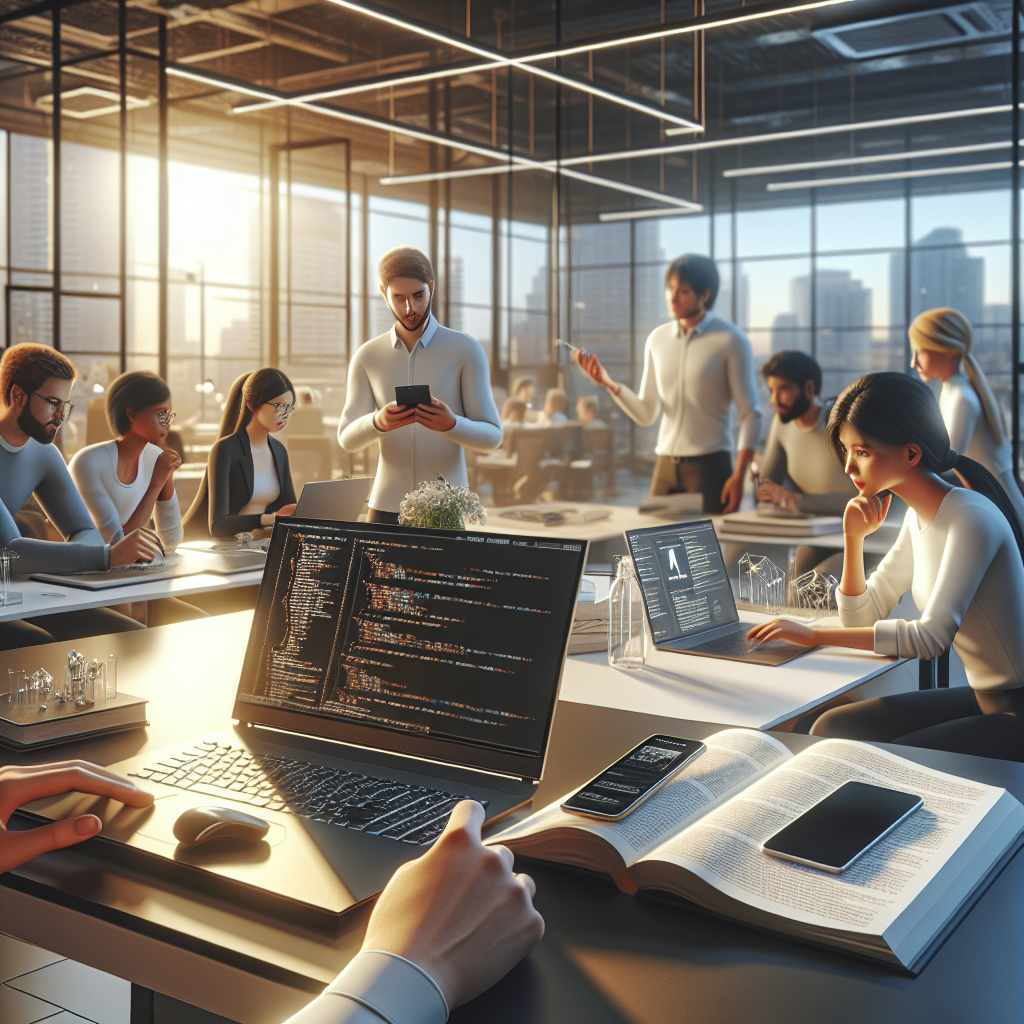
(960, 553)
(248, 481)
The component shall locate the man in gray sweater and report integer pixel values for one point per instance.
(416, 442)
(35, 388)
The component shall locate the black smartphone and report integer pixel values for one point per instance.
(834, 833)
(632, 779)
(412, 394)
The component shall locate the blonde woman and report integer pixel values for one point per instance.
(942, 340)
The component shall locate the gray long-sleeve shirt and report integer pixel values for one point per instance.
(455, 367)
(39, 469)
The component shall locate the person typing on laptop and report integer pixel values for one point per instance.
(446, 927)
(35, 388)
(416, 443)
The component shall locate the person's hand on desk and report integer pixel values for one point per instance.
(267, 519)
(458, 913)
(141, 545)
(861, 638)
(771, 492)
(19, 785)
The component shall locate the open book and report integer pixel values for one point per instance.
(698, 837)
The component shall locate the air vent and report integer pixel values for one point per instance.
(907, 32)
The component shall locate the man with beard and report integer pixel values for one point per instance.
(696, 368)
(797, 449)
(35, 386)
(416, 442)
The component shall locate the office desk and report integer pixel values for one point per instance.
(606, 958)
(877, 543)
(35, 601)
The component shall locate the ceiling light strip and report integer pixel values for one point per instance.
(633, 190)
(470, 172)
(351, 90)
(683, 124)
(850, 161)
(620, 215)
(863, 179)
(665, 33)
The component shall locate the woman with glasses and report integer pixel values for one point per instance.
(248, 481)
(128, 481)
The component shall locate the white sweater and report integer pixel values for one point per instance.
(696, 376)
(111, 503)
(965, 572)
(970, 435)
(455, 367)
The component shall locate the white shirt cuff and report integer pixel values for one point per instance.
(852, 602)
(887, 637)
(398, 990)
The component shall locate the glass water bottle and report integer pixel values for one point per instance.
(627, 630)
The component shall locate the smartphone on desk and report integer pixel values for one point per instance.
(410, 395)
(838, 830)
(625, 785)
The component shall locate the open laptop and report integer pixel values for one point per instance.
(688, 597)
(389, 673)
(173, 565)
(339, 500)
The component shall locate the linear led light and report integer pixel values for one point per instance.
(441, 140)
(607, 218)
(461, 43)
(849, 161)
(859, 126)
(351, 90)
(469, 172)
(856, 179)
(692, 147)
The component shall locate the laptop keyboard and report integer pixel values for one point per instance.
(379, 807)
(737, 645)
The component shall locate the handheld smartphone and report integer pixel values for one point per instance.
(837, 831)
(410, 395)
(624, 786)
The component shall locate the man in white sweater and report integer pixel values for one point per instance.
(695, 368)
(418, 442)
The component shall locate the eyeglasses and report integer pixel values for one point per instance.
(282, 409)
(60, 411)
(164, 417)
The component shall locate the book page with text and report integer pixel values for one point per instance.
(734, 758)
(723, 848)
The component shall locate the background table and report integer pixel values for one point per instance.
(606, 958)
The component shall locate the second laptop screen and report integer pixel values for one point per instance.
(686, 588)
(459, 636)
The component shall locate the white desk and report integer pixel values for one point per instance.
(712, 690)
(877, 544)
(36, 602)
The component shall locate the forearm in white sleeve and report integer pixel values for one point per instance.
(167, 515)
(961, 418)
(377, 987)
(889, 582)
(743, 390)
(968, 553)
(355, 428)
(641, 408)
(480, 427)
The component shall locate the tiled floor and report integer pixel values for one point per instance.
(41, 986)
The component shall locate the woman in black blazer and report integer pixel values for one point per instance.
(248, 481)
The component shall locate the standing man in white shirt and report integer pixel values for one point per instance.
(416, 442)
(695, 368)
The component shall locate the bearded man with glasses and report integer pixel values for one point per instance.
(35, 388)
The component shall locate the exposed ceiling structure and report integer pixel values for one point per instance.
(634, 106)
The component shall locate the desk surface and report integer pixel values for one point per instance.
(606, 958)
(37, 597)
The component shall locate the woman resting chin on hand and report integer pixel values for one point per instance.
(960, 553)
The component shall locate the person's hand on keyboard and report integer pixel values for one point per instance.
(458, 912)
(19, 785)
(784, 629)
(141, 545)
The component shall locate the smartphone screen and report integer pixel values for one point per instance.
(838, 830)
(409, 395)
(633, 778)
